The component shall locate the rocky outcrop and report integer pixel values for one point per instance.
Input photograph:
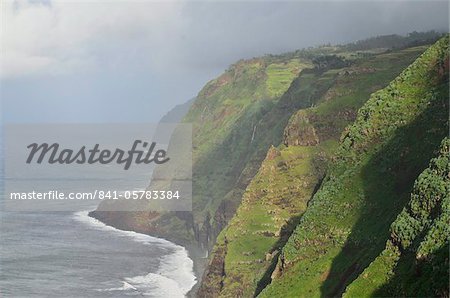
(300, 132)
(213, 280)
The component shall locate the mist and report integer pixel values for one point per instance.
(120, 61)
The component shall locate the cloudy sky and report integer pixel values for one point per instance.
(120, 61)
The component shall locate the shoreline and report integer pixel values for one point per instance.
(199, 265)
(194, 252)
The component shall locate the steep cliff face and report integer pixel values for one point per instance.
(248, 248)
(235, 119)
(299, 102)
(368, 183)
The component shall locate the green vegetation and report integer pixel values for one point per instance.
(239, 115)
(347, 223)
(235, 119)
(301, 203)
(395, 41)
(280, 76)
(415, 260)
(272, 204)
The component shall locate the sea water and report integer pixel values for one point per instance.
(69, 254)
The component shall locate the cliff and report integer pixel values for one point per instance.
(293, 203)
(248, 248)
(369, 182)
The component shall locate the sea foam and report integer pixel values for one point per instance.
(174, 277)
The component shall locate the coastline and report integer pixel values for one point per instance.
(194, 252)
(199, 265)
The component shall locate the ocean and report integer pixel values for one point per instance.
(69, 254)
(66, 254)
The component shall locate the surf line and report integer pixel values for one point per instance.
(175, 267)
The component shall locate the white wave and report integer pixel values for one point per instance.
(175, 275)
(125, 286)
(156, 285)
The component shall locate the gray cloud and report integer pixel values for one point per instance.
(140, 58)
(223, 32)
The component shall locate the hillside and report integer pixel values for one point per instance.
(266, 132)
(235, 119)
(368, 183)
(278, 195)
(415, 259)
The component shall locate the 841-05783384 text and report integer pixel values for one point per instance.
(98, 194)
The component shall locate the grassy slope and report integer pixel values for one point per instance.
(415, 259)
(347, 223)
(287, 178)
